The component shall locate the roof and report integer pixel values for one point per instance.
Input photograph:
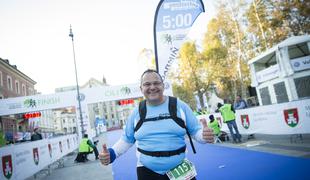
(288, 42)
(13, 68)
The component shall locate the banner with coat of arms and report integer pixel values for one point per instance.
(285, 118)
(24, 160)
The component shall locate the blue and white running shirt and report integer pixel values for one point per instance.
(161, 135)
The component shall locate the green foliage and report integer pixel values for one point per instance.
(184, 94)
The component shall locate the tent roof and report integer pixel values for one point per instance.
(288, 42)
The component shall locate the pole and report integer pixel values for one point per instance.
(77, 84)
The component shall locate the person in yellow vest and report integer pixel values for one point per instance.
(214, 125)
(86, 147)
(228, 113)
(2, 139)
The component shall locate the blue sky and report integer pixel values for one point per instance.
(109, 36)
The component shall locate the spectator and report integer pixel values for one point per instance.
(240, 103)
(86, 147)
(2, 139)
(228, 114)
(214, 125)
(36, 135)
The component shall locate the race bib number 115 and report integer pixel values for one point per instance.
(185, 171)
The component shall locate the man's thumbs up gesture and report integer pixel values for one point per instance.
(207, 133)
(104, 156)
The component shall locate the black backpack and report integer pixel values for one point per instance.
(176, 119)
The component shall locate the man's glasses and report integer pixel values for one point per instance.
(149, 84)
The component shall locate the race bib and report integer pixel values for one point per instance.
(184, 171)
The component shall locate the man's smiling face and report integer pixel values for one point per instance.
(152, 88)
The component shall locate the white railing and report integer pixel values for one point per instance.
(285, 118)
(24, 160)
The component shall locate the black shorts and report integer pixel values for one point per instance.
(144, 173)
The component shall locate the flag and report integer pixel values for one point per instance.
(173, 20)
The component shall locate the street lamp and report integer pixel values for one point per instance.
(77, 84)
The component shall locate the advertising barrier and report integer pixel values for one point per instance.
(24, 160)
(286, 118)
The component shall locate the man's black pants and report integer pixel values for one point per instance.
(144, 173)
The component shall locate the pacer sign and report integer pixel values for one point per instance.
(173, 20)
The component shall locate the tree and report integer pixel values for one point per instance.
(224, 51)
(292, 16)
(191, 71)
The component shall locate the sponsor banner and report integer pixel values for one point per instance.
(300, 64)
(109, 93)
(68, 99)
(37, 103)
(267, 74)
(286, 118)
(173, 20)
(24, 160)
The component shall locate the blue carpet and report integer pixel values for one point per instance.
(217, 162)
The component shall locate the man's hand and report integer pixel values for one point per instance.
(207, 133)
(104, 156)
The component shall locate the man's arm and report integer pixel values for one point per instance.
(120, 147)
(233, 110)
(90, 144)
(123, 144)
(195, 129)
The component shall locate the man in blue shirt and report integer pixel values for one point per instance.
(240, 103)
(160, 140)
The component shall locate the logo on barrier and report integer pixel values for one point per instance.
(291, 117)
(245, 121)
(81, 97)
(50, 150)
(35, 153)
(125, 90)
(30, 103)
(7, 167)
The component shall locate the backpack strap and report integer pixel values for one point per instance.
(179, 121)
(142, 113)
(173, 115)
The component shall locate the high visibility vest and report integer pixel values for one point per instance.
(215, 127)
(84, 147)
(2, 139)
(227, 113)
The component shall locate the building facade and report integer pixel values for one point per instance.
(14, 83)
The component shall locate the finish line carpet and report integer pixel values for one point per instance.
(217, 162)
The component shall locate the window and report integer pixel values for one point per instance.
(23, 89)
(298, 50)
(1, 79)
(9, 83)
(302, 86)
(30, 91)
(280, 91)
(17, 90)
(265, 62)
(264, 94)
